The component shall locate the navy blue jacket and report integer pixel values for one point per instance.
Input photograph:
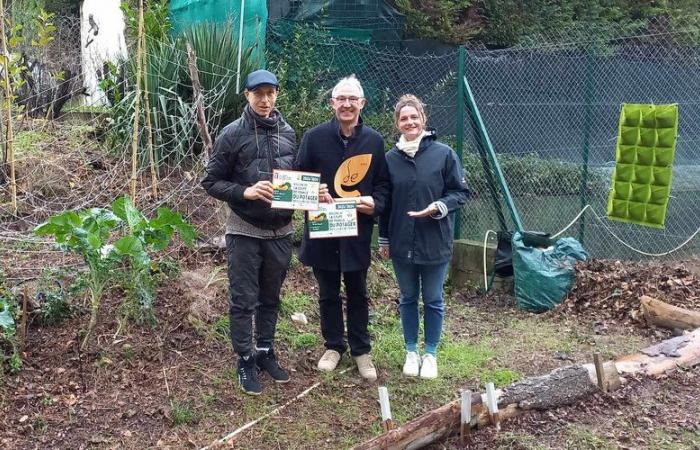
(322, 150)
(434, 174)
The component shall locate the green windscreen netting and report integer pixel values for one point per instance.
(646, 145)
(186, 13)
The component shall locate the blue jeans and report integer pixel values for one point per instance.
(430, 279)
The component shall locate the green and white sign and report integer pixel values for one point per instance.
(333, 220)
(295, 190)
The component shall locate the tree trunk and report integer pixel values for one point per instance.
(430, 427)
(669, 316)
(658, 359)
(562, 386)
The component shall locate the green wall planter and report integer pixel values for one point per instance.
(641, 182)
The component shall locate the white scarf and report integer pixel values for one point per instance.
(410, 147)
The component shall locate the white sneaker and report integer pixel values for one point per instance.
(428, 367)
(329, 361)
(365, 367)
(411, 367)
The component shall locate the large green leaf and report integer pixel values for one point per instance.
(168, 218)
(7, 322)
(124, 208)
(132, 247)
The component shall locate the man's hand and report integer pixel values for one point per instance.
(384, 252)
(365, 205)
(324, 195)
(427, 212)
(262, 190)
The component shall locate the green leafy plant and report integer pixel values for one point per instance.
(455, 21)
(170, 92)
(144, 236)
(304, 75)
(89, 232)
(156, 20)
(8, 329)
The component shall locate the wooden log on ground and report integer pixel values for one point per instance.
(430, 427)
(669, 316)
(683, 351)
(563, 386)
(536, 392)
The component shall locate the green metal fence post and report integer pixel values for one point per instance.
(486, 141)
(587, 124)
(459, 131)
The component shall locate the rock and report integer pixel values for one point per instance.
(300, 318)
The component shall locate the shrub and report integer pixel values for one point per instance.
(170, 92)
(93, 235)
(8, 331)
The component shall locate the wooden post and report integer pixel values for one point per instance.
(147, 108)
(199, 104)
(387, 422)
(137, 106)
(492, 405)
(598, 363)
(9, 145)
(466, 416)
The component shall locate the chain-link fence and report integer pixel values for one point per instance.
(551, 112)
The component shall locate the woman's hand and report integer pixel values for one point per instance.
(427, 212)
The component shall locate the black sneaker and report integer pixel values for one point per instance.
(267, 361)
(248, 376)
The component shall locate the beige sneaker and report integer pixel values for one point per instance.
(366, 368)
(329, 361)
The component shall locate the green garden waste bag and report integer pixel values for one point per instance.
(543, 276)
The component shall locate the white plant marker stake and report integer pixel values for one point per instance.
(385, 408)
(492, 404)
(465, 423)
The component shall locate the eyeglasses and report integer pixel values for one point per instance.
(351, 100)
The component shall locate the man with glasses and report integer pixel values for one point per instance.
(350, 157)
(258, 238)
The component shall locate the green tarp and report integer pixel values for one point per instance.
(185, 13)
(646, 146)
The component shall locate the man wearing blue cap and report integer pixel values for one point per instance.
(258, 238)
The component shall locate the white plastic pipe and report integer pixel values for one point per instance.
(384, 403)
(240, 47)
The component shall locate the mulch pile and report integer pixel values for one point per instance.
(610, 290)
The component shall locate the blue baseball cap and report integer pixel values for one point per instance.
(259, 77)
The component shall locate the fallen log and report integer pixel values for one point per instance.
(541, 393)
(427, 428)
(668, 316)
(562, 386)
(680, 351)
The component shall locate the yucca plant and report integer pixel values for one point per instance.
(170, 92)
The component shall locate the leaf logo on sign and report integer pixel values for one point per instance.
(351, 173)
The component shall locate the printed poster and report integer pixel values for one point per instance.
(295, 190)
(333, 220)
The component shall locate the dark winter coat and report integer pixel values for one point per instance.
(323, 150)
(434, 174)
(246, 151)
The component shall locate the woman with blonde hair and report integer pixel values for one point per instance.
(416, 229)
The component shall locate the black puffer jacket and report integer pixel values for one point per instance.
(246, 151)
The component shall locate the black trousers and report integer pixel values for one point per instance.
(331, 307)
(256, 270)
